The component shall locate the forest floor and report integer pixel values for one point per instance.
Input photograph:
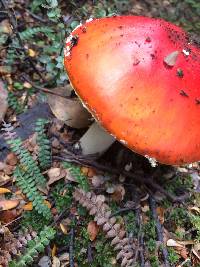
(51, 197)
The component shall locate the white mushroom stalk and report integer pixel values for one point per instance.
(96, 140)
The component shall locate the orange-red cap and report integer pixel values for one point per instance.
(140, 78)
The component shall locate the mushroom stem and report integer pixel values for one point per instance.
(95, 140)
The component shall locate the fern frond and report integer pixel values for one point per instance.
(28, 186)
(34, 247)
(13, 245)
(97, 207)
(78, 175)
(27, 174)
(44, 155)
(14, 103)
(23, 154)
(30, 32)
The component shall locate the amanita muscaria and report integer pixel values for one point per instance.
(140, 78)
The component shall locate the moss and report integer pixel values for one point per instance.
(34, 220)
(130, 223)
(154, 261)
(173, 258)
(62, 195)
(195, 220)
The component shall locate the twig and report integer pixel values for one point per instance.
(71, 248)
(159, 230)
(124, 210)
(45, 90)
(135, 177)
(36, 16)
(140, 247)
(13, 221)
(135, 198)
(89, 253)
(60, 216)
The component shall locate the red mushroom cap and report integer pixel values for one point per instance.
(140, 78)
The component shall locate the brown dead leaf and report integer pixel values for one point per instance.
(55, 174)
(3, 101)
(119, 193)
(92, 230)
(88, 171)
(11, 159)
(8, 204)
(183, 252)
(161, 214)
(8, 215)
(9, 169)
(4, 190)
(71, 111)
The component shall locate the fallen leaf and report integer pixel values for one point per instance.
(92, 230)
(187, 242)
(4, 190)
(5, 27)
(8, 216)
(53, 251)
(119, 193)
(3, 101)
(195, 209)
(31, 53)
(4, 179)
(56, 262)
(71, 111)
(161, 214)
(28, 206)
(55, 174)
(173, 243)
(145, 208)
(47, 203)
(88, 171)
(183, 252)
(11, 159)
(63, 228)
(171, 59)
(8, 204)
(27, 85)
